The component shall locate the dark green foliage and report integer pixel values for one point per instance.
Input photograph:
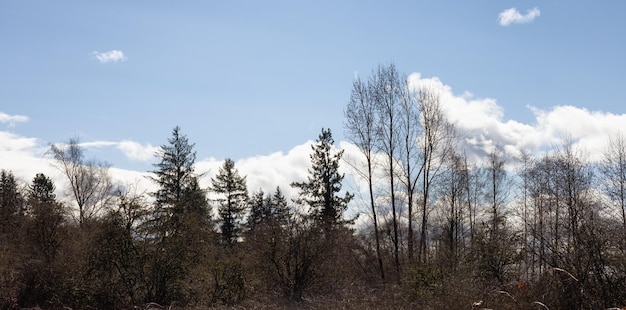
(179, 223)
(321, 190)
(47, 217)
(232, 201)
(11, 202)
(267, 210)
(174, 173)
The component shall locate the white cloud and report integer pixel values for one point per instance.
(265, 172)
(131, 149)
(137, 151)
(24, 156)
(483, 124)
(110, 56)
(513, 16)
(12, 119)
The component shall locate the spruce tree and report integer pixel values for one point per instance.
(232, 200)
(321, 190)
(260, 209)
(279, 211)
(180, 222)
(11, 202)
(267, 209)
(46, 216)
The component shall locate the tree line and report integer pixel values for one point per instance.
(435, 228)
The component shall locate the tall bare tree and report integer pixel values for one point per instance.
(437, 143)
(90, 184)
(613, 169)
(385, 88)
(360, 124)
(410, 156)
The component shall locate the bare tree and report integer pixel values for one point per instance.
(385, 89)
(498, 189)
(437, 142)
(90, 184)
(613, 168)
(360, 124)
(451, 190)
(410, 157)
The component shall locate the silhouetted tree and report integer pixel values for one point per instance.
(385, 87)
(89, 181)
(321, 190)
(361, 128)
(179, 225)
(11, 203)
(232, 200)
(47, 216)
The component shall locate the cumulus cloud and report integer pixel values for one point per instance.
(12, 119)
(110, 56)
(24, 156)
(136, 151)
(513, 16)
(265, 172)
(483, 124)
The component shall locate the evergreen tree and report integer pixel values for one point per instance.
(180, 221)
(11, 202)
(279, 211)
(47, 216)
(232, 201)
(321, 190)
(259, 209)
(266, 209)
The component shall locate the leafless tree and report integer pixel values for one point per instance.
(360, 124)
(89, 181)
(437, 142)
(410, 157)
(613, 168)
(385, 89)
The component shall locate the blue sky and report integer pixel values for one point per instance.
(251, 78)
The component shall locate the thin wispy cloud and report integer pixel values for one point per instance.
(12, 119)
(513, 16)
(131, 149)
(110, 56)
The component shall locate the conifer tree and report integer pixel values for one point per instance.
(260, 204)
(321, 190)
(11, 202)
(180, 220)
(232, 200)
(279, 211)
(266, 209)
(47, 216)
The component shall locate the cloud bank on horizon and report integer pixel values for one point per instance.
(513, 16)
(481, 121)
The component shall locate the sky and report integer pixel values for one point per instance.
(256, 81)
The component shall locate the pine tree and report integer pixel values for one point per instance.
(321, 190)
(180, 222)
(279, 211)
(11, 202)
(47, 216)
(268, 210)
(232, 200)
(259, 209)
